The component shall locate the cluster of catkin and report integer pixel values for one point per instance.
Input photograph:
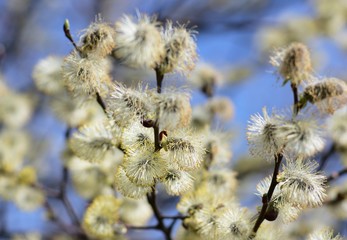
(141, 137)
(130, 140)
(18, 179)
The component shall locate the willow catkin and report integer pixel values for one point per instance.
(296, 65)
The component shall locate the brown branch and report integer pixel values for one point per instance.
(63, 186)
(325, 157)
(156, 137)
(151, 198)
(336, 175)
(266, 199)
(49, 192)
(70, 229)
(175, 217)
(155, 227)
(101, 102)
(339, 198)
(3, 209)
(160, 78)
(296, 107)
(63, 197)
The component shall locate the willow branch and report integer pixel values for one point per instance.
(151, 198)
(101, 102)
(266, 199)
(325, 157)
(3, 209)
(63, 196)
(156, 138)
(142, 227)
(63, 186)
(73, 230)
(339, 198)
(160, 78)
(175, 217)
(296, 107)
(336, 175)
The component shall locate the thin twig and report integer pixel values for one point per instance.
(101, 102)
(61, 195)
(66, 28)
(3, 209)
(49, 192)
(65, 200)
(325, 157)
(266, 199)
(151, 198)
(160, 78)
(296, 107)
(143, 227)
(175, 217)
(156, 137)
(172, 225)
(63, 186)
(336, 175)
(339, 198)
(54, 218)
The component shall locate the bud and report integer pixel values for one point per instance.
(271, 213)
(66, 25)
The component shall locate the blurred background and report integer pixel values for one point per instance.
(235, 37)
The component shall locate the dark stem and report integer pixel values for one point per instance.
(63, 197)
(155, 227)
(68, 133)
(267, 197)
(3, 209)
(209, 157)
(156, 138)
(69, 229)
(160, 78)
(172, 225)
(54, 218)
(63, 186)
(151, 198)
(325, 157)
(101, 102)
(339, 198)
(175, 217)
(49, 192)
(174, 220)
(208, 89)
(296, 107)
(336, 175)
